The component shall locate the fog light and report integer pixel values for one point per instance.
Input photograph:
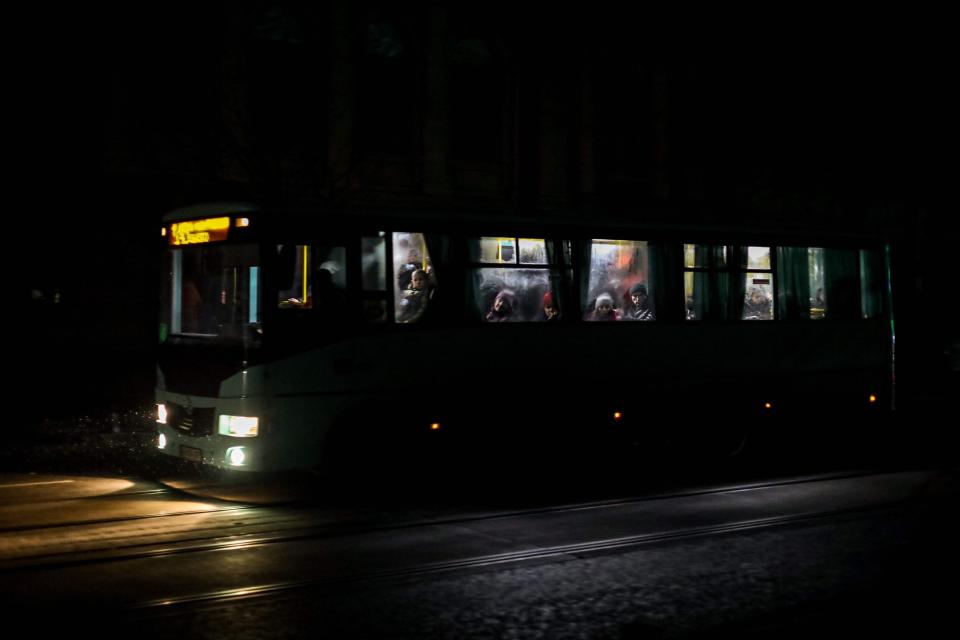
(236, 456)
(162, 413)
(161, 440)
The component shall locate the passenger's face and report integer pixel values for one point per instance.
(417, 281)
(498, 303)
(551, 312)
(639, 298)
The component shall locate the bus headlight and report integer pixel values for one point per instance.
(239, 426)
(161, 441)
(162, 413)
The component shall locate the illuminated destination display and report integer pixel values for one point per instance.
(199, 231)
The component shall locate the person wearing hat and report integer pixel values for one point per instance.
(639, 308)
(502, 308)
(603, 310)
(551, 312)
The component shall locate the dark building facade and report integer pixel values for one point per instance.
(448, 105)
(493, 107)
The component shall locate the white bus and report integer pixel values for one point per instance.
(300, 339)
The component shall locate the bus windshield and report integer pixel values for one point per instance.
(211, 291)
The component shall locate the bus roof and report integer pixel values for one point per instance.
(208, 209)
(319, 216)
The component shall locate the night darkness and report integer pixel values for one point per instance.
(132, 111)
(703, 483)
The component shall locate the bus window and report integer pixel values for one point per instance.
(819, 283)
(316, 278)
(800, 283)
(514, 279)
(295, 268)
(871, 283)
(758, 285)
(841, 295)
(706, 281)
(213, 291)
(415, 282)
(373, 256)
(329, 293)
(533, 251)
(818, 301)
(619, 286)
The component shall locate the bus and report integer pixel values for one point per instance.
(306, 339)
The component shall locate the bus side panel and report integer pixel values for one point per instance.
(507, 388)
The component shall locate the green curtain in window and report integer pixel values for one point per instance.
(560, 278)
(738, 287)
(871, 279)
(704, 296)
(662, 281)
(841, 283)
(586, 247)
(438, 249)
(793, 278)
(712, 288)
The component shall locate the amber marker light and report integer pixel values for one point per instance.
(241, 222)
(617, 415)
(872, 398)
(768, 405)
(163, 232)
(434, 426)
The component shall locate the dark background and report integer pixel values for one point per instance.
(820, 119)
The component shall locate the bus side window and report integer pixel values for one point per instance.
(317, 278)
(329, 293)
(871, 283)
(414, 280)
(705, 274)
(373, 256)
(517, 279)
(619, 286)
(841, 284)
(801, 289)
(758, 284)
(296, 276)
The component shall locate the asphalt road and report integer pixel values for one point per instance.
(126, 555)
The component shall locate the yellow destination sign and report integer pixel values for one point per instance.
(199, 231)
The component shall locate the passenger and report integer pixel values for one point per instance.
(502, 308)
(757, 305)
(405, 272)
(639, 308)
(603, 310)
(416, 299)
(551, 313)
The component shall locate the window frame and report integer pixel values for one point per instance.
(744, 251)
(563, 250)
